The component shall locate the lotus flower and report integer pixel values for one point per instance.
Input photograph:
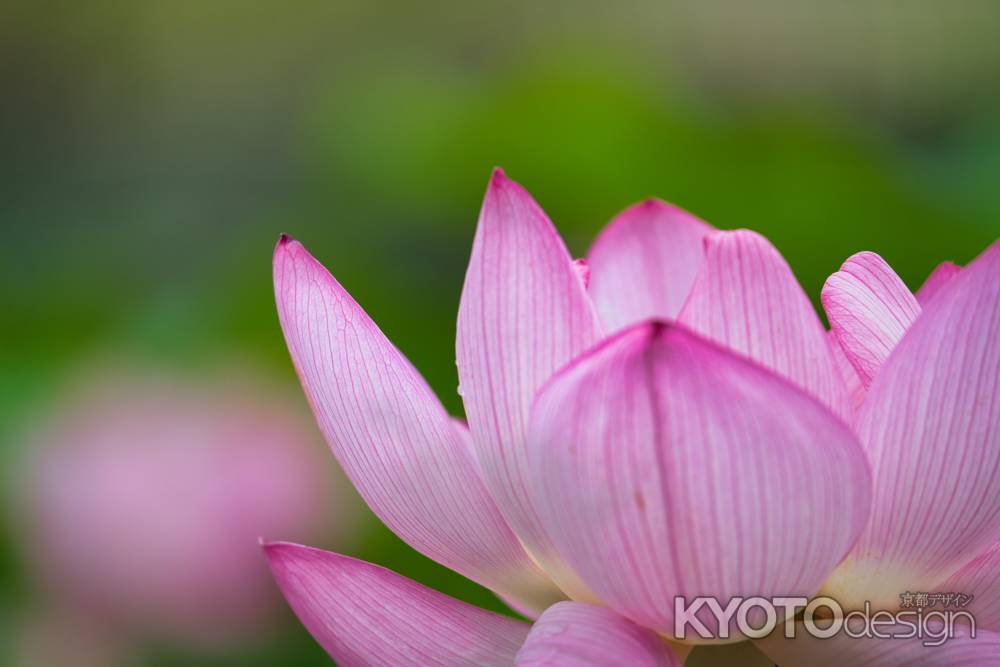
(667, 418)
(146, 495)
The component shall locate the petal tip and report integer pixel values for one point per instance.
(272, 548)
(659, 328)
(862, 254)
(281, 556)
(498, 177)
(286, 243)
(500, 187)
(276, 547)
(651, 204)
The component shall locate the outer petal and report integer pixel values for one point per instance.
(869, 308)
(981, 579)
(747, 298)
(931, 426)
(939, 277)
(667, 466)
(366, 615)
(644, 263)
(524, 313)
(410, 462)
(571, 634)
(841, 650)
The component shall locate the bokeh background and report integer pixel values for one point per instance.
(153, 151)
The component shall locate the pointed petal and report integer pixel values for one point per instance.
(365, 615)
(571, 634)
(931, 426)
(961, 650)
(747, 298)
(666, 465)
(644, 263)
(410, 462)
(939, 277)
(981, 579)
(524, 313)
(869, 308)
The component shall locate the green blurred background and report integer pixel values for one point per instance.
(153, 151)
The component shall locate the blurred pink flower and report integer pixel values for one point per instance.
(147, 495)
(51, 637)
(673, 422)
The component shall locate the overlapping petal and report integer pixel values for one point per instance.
(572, 634)
(981, 580)
(747, 298)
(412, 465)
(644, 262)
(664, 465)
(524, 313)
(931, 427)
(961, 650)
(367, 616)
(869, 308)
(856, 390)
(938, 278)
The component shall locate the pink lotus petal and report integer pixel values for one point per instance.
(842, 651)
(747, 298)
(571, 634)
(366, 615)
(939, 277)
(856, 391)
(665, 465)
(582, 269)
(869, 308)
(981, 579)
(524, 313)
(644, 263)
(413, 466)
(931, 426)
